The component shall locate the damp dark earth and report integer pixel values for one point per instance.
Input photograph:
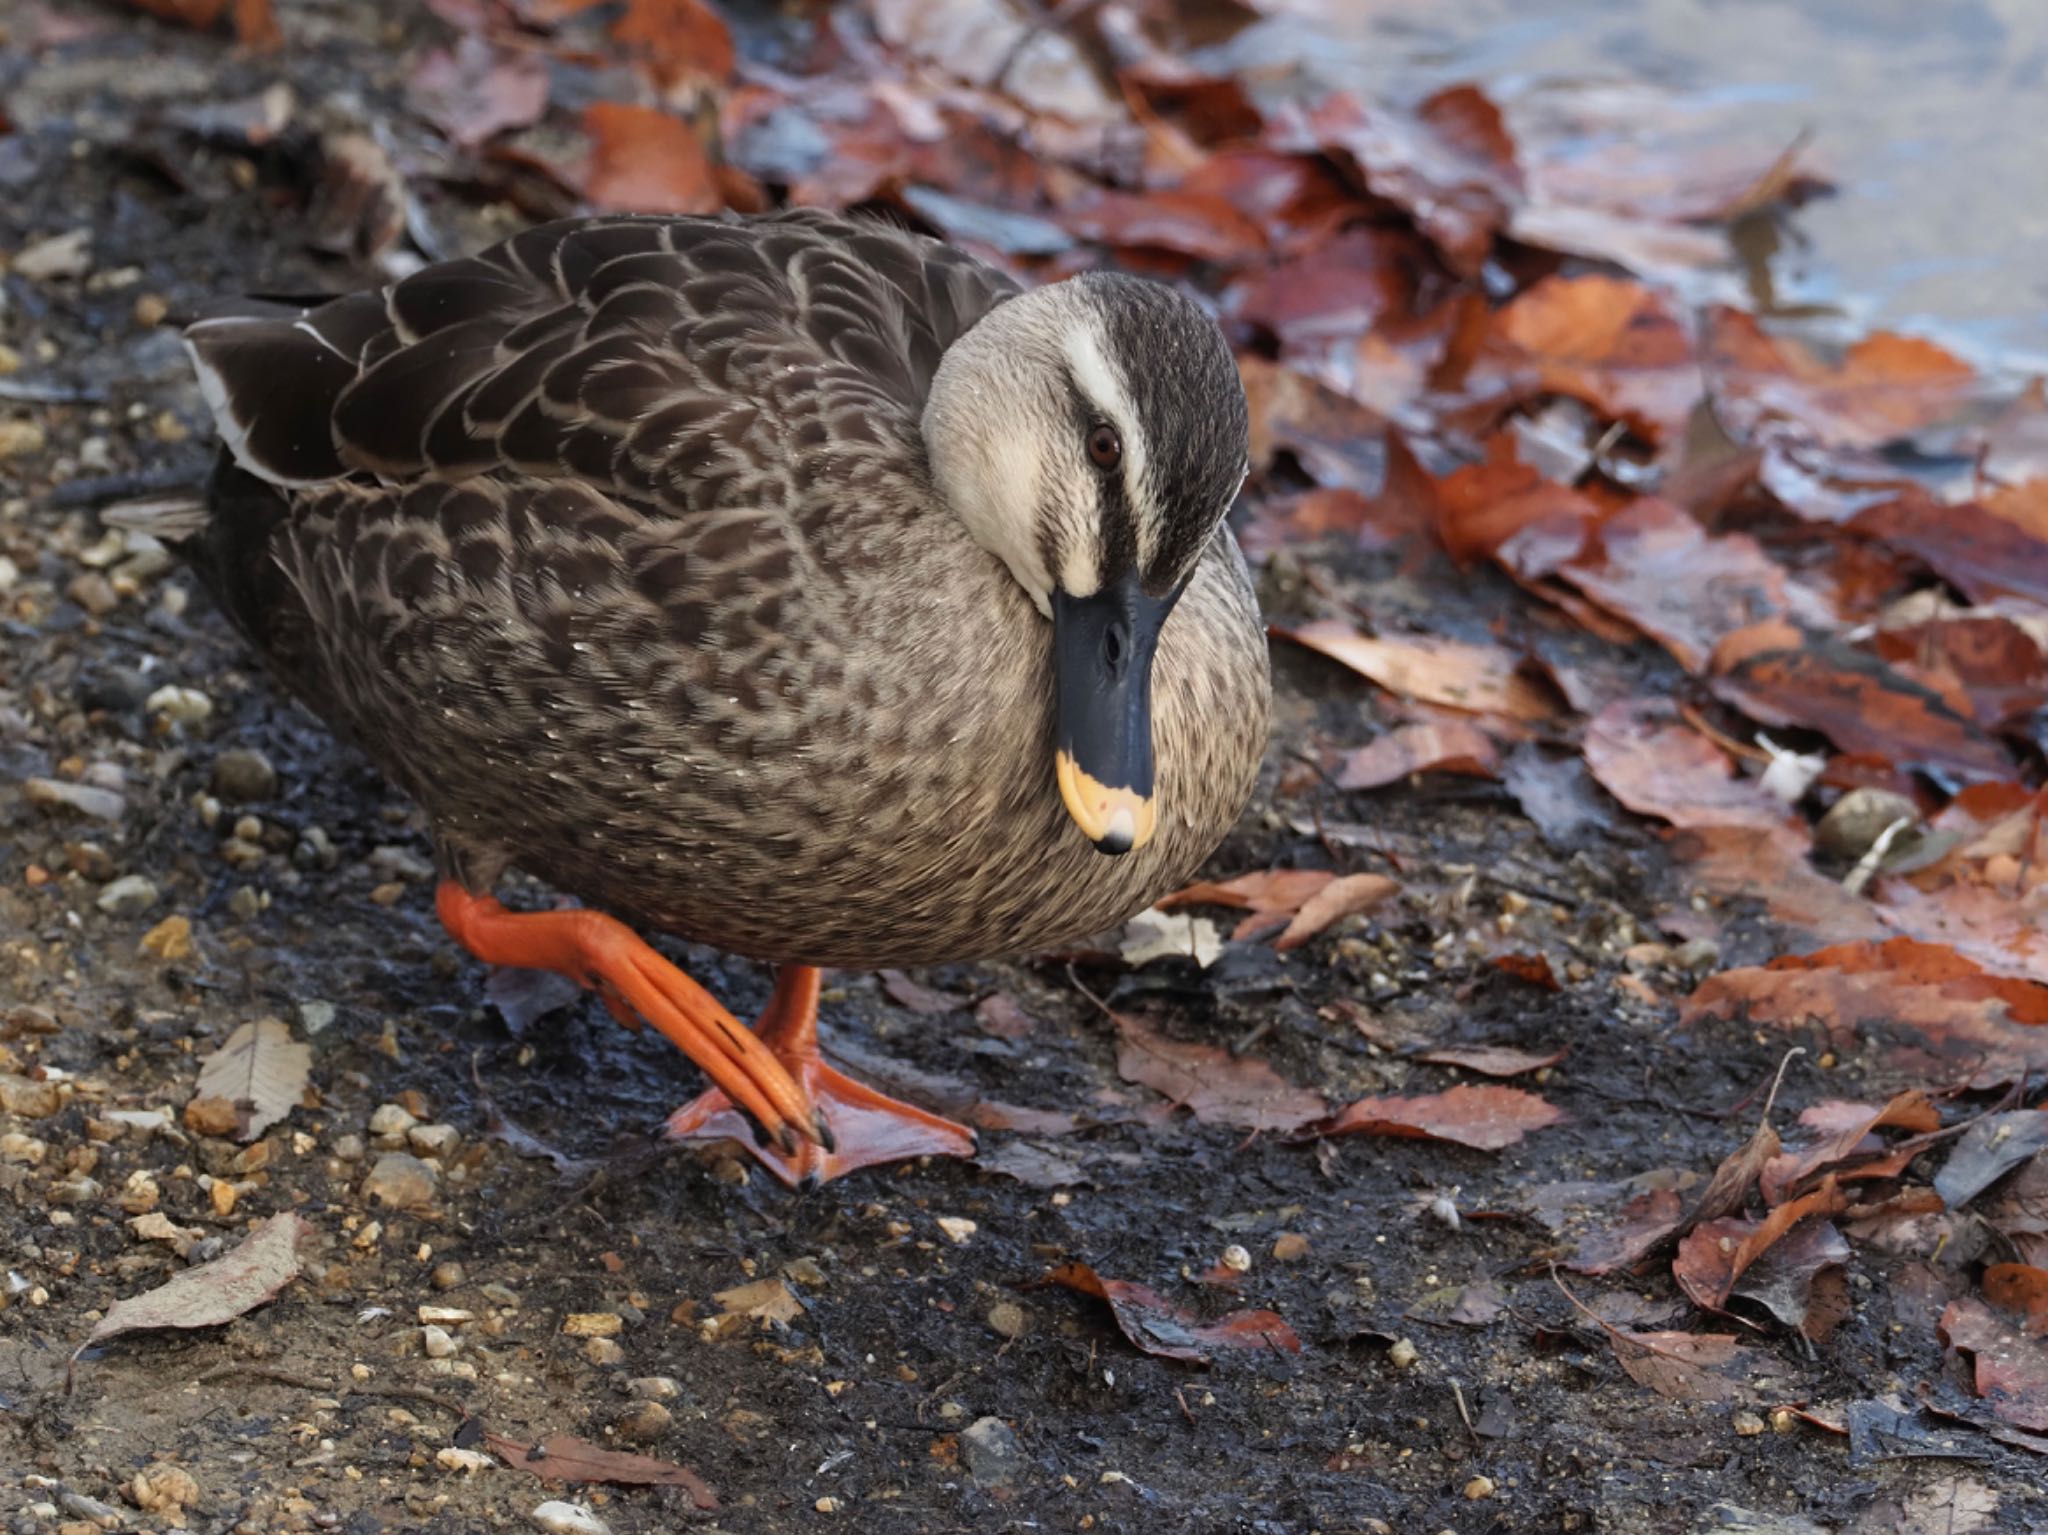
(1596, 1087)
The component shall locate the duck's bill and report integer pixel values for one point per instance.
(1102, 669)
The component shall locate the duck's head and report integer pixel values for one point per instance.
(1091, 434)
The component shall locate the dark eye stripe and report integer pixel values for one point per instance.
(1119, 522)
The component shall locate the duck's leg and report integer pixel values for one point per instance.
(598, 951)
(864, 1127)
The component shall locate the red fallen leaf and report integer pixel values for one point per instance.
(1479, 679)
(1195, 224)
(1940, 1019)
(1336, 439)
(473, 91)
(1296, 199)
(1988, 1150)
(918, 997)
(1336, 291)
(2011, 1369)
(2022, 1290)
(565, 1458)
(678, 39)
(1607, 341)
(1215, 1086)
(1802, 1281)
(645, 161)
(1002, 1016)
(1532, 968)
(1486, 1118)
(1759, 864)
(1210, 109)
(1310, 516)
(1910, 1110)
(1780, 675)
(1452, 746)
(1654, 764)
(1451, 166)
(1155, 1325)
(1659, 569)
(255, 24)
(1692, 1366)
(1341, 897)
(1985, 554)
(1716, 1253)
(1492, 1060)
(1274, 897)
(2001, 927)
(1507, 510)
(1998, 665)
(1647, 1220)
(1885, 387)
(2025, 505)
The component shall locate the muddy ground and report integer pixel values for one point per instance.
(322, 1411)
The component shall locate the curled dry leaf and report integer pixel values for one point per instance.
(1156, 1326)
(1984, 553)
(1847, 1132)
(1484, 1117)
(565, 1458)
(1491, 1060)
(1298, 902)
(1447, 746)
(1345, 896)
(1642, 754)
(1610, 342)
(215, 1293)
(1802, 1280)
(1694, 1366)
(1988, 1150)
(2011, 1365)
(1649, 1218)
(261, 1070)
(643, 160)
(1716, 1253)
(1212, 1084)
(1478, 679)
(1504, 509)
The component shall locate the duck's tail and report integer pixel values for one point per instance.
(170, 518)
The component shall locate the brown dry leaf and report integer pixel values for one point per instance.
(1342, 897)
(1656, 567)
(1484, 1117)
(1954, 1505)
(1642, 754)
(1336, 439)
(2012, 1368)
(1301, 901)
(1988, 1150)
(1156, 1326)
(1478, 679)
(1610, 342)
(645, 161)
(1534, 969)
(1195, 224)
(1851, 1125)
(565, 1458)
(255, 22)
(261, 1070)
(1780, 675)
(1988, 658)
(1217, 1087)
(1938, 1018)
(1491, 1060)
(1332, 294)
(1802, 1281)
(1716, 1253)
(767, 1301)
(1884, 388)
(1692, 1366)
(1728, 1190)
(1985, 554)
(214, 1294)
(474, 91)
(679, 40)
(2021, 1289)
(1506, 510)
(918, 997)
(1643, 1224)
(1759, 864)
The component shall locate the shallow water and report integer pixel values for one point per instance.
(1927, 116)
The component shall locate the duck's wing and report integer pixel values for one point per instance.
(672, 360)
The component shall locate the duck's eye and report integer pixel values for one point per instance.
(1105, 448)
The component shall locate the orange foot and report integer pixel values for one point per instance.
(594, 950)
(861, 1126)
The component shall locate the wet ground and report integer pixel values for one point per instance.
(860, 1407)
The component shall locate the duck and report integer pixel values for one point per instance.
(796, 584)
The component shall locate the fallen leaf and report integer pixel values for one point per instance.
(1297, 903)
(1693, 1366)
(1212, 1084)
(1158, 934)
(1484, 1117)
(565, 1458)
(1761, 864)
(1728, 1190)
(1611, 342)
(1884, 388)
(1955, 1505)
(1507, 510)
(1332, 294)
(1649, 1218)
(261, 1070)
(2022, 1290)
(645, 161)
(1337, 440)
(1193, 224)
(1716, 1253)
(1534, 969)
(1656, 567)
(1910, 1110)
(2011, 1367)
(255, 22)
(679, 40)
(1491, 1060)
(1452, 746)
(1989, 1149)
(1802, 1281)
(215, 1293)
(767, 1301)
(918, 997)
(1345, 896)
(1156, 1326)
(1981, 552)
(1642, 754)
(1479, 679)
(1989, 658)
(474, 91)
(1470, 1305)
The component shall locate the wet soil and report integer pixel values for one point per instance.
(320, 1410)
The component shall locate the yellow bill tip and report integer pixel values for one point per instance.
(1115, 820)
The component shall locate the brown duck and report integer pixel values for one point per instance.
(795, 584)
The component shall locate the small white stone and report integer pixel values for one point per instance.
(390, 1119)
(433, 1140)
(467, 1461)
(1237, 1259)
(655, 1388)
(181, 706)
(1403, 1354)
(559, 1518)
(436, 1342)
(957, 1228)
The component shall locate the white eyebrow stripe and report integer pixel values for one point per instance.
(1099, 379)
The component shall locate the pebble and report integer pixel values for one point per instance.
(170, 940)
(401, 1181)
(29, 1099)
(655, 1387)
(957, 1228)
(645, 1423)
(453, 1315)
(20, 438)
(605, 1353)
(139, 1195)
(447, 1276)
(559, 1518)
(92, 1510)
(55, 256)
(1748, 1424)
(93, 592)
(433, 1140)
(1856, 820)
(179, 705)
(16, 1147)
(316, 1015)
(1403, 1354)
(77, 1189)
(1480, 1487)
(83, 799)
(391, 1119)
(129, 896)
(401, 863)
(993, 1456)
(592, 1324)
(1007, 1319)
(243, 776)
(1290, 1247)
(163, 1489)
(436, 1342)
(212, 1116)
(469, 1462)
(829, 1504)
